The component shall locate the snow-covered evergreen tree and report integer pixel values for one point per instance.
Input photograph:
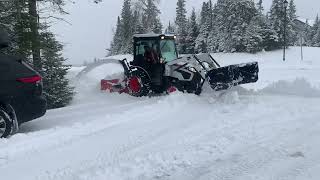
(212, 24)
(116, 44)
(315, 33)
(204, 31)
(141, 17)
(55, 83)
(293, 36)
(233, 19)
(260, 6)
(276, 16)
(14, 19)
(193, 33)
(126, 27)
(253, 36)
(170, 29)
(292, 10)
(277, 21)
(137, 25)
(151, 16)
(181, 26)
(307, 33)
(270, 39)
(7, 20)
(157, 26)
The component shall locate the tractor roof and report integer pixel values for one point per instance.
(152, 35)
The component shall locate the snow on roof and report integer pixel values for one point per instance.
(310, 21)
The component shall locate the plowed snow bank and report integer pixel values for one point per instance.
(298, 87)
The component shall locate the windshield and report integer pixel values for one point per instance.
(168, 50)
(141, 45)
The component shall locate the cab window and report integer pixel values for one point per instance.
(168, 50)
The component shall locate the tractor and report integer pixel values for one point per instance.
(157, 68)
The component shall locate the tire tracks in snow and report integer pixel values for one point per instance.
(59, 136)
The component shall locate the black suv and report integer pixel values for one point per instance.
(21, 98)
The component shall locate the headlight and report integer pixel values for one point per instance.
(162, 60)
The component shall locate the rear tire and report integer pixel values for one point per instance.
(6, 124)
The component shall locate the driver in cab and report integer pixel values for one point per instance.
(151, 55)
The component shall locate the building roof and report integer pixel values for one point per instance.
(310, 21)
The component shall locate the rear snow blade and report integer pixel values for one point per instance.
(229, 76)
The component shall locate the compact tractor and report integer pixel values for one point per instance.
(157, 68)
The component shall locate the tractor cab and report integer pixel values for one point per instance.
(161, 48)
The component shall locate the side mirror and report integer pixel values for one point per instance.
(4, 39)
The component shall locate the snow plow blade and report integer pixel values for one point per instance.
(226, 77)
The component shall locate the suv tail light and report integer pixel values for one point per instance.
(32, 80)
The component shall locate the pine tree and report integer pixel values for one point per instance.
(24, 26)
(202, 39)
(193, 32)
(277, 19)
(307, 34)
(157, 26)
(126, 27)
(56, 86)
(315, 33)
(270, 40)
(137, 23)
(254, 37)
(170, 29)
(292, 11)
(7, 20)
(212, 26)
(260, 7)
(181, 26)
(116, 44)
(151, 18)
(220, 11)
(276, 16)
(210, 16)
(293, 35)
(15, 19)
(316, 39)
(142, 18)
(233, 19)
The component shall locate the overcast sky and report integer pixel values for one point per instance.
(91, 28)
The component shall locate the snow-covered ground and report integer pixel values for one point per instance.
(263, 131)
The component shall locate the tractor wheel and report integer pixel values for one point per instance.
(194, 86)
(139, 83)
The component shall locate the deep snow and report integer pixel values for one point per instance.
(268, 130)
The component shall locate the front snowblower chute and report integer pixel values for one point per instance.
(157, 69)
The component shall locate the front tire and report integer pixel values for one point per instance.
(6, 124)
(139, 83)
